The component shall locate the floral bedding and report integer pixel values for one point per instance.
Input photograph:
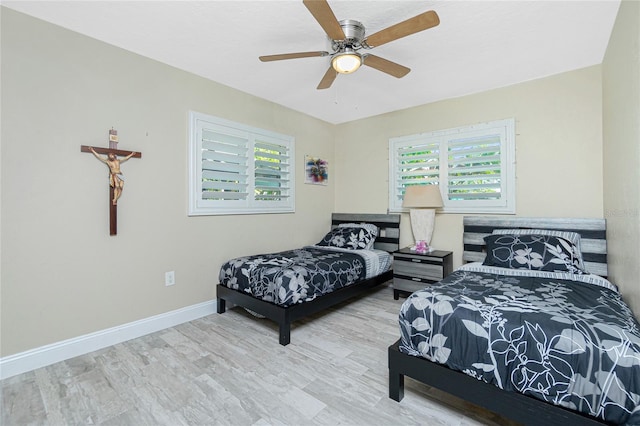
(301, 275)
(566, 339)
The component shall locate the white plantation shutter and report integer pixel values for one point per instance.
(224, 166)
(474, 168)
(473, 165)
(272, 163)
(416, 163)
(237, 169)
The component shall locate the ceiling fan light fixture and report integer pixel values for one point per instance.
(346, 62)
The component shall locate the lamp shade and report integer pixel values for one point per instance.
(425, 196)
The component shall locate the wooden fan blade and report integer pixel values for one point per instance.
(413, 25)
(321, 10)
(386, 66)
(282, 56)
(328, 79)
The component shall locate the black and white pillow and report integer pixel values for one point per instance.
(373, 229)
(574, 237)
(353, 238)
(533, 252)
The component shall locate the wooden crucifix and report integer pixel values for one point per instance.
(116, 179)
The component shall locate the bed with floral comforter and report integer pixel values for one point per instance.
(349, 261)
(568, 339)
(301, 275)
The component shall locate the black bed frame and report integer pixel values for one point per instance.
(388, 239)
(516, 406)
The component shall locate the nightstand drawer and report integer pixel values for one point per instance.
(414, 271)
(418, 268)
(409, 285)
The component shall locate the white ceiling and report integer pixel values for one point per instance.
(478, 46)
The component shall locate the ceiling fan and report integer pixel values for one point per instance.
(348, 37)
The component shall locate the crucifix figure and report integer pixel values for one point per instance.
(116, 179)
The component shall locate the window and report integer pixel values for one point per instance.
(474, 166)
(237, 169)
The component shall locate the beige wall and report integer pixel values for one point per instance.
(621, 88)
(558, 149)
(62, 274)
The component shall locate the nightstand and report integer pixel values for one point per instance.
(414, 271)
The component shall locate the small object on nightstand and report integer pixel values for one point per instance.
(414, 271)
(422, 247)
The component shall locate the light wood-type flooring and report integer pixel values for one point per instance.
(230, 370)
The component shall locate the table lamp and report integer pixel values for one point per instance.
(422, 200)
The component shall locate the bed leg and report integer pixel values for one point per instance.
(285, 334)
(396, 386)
(396, 379)
(221, 306)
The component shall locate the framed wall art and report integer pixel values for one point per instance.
(316, 170)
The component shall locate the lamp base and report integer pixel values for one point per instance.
(422, 223)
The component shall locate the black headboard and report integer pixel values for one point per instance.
(593, 233)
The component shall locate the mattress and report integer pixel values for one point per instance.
(301, 275)
(566, 339)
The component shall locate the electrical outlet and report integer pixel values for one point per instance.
(169, 278)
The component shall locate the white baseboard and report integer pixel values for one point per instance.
(66, 349)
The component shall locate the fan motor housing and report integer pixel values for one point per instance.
(353, 30)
